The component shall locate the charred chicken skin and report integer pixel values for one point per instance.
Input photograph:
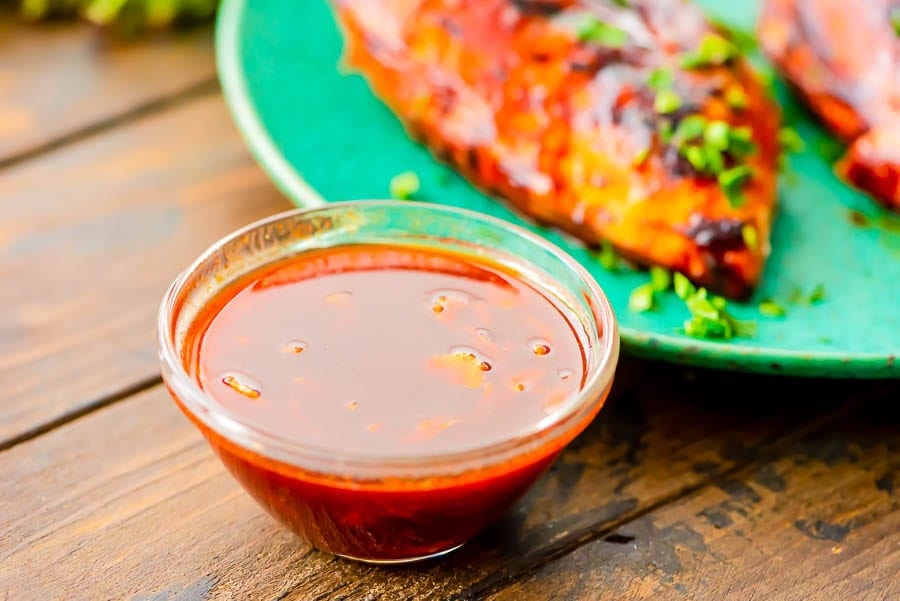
(844, 58)
(628, 123)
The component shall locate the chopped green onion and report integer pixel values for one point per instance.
(736, 97)
(667, 102)
(740, 141)
(744, 40)
(696, 157)
(665, 131)
(716, 134)
(595, 31)
(789, 141)
(660, 79)
(750, 236)
(690, 128)
(404, 185)
(683, 286)
(607, 257)
(700, 306)
(660, 279)
(817, 295)
(713, 51)
(641, 156)
(735, 177)
(641, 298)
(714, 161)
(770, 308)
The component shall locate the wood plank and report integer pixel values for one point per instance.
(91, 236)
(59, 78)
(91, 496)
(820, 522)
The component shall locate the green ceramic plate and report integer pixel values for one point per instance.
(321, 134)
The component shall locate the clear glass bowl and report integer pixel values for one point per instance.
(377, 508)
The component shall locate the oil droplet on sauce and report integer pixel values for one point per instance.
(242, 384)
(352, 405)
(373, 427)
(539, 347)
(295, 346)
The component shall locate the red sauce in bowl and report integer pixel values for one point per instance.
(381, 351)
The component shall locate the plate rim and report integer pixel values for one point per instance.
(638, 342)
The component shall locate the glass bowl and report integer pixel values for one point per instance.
(387, 509)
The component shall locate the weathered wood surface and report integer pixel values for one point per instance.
(56, 80)
(90, 237)
(821, 521)
(132, 490)
(690, 485)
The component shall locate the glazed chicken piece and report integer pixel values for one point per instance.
(632, 123)
(844, 59)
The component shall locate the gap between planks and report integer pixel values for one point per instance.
(90, 130)
(90, 407)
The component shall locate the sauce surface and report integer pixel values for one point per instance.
(387, 350)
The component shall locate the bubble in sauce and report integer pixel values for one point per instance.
(564, 374)
(295, 346)
(340, 298)
(242, 384)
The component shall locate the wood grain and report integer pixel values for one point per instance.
(820, 522)
(58, 79)
(90, 239)
(132, 492)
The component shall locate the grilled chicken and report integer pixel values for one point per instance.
(566, 108)
(844, 59)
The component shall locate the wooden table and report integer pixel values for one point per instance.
(120, 164)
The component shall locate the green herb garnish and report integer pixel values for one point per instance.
(709, 313)
(744, 40)
(750, 236)
(641, 156)
(789, 142)
(660, 79)
(596, 31)
(817, 295)
(770, 308)
(666, 102)
(607, 257)
(736, 97)
(713, 51)
(705, 144)
(683, 286)
(641, 298)
(404, 185)
(660, 279)
(895, 20)
(716, 134)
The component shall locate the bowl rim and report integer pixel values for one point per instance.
(202, 406)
